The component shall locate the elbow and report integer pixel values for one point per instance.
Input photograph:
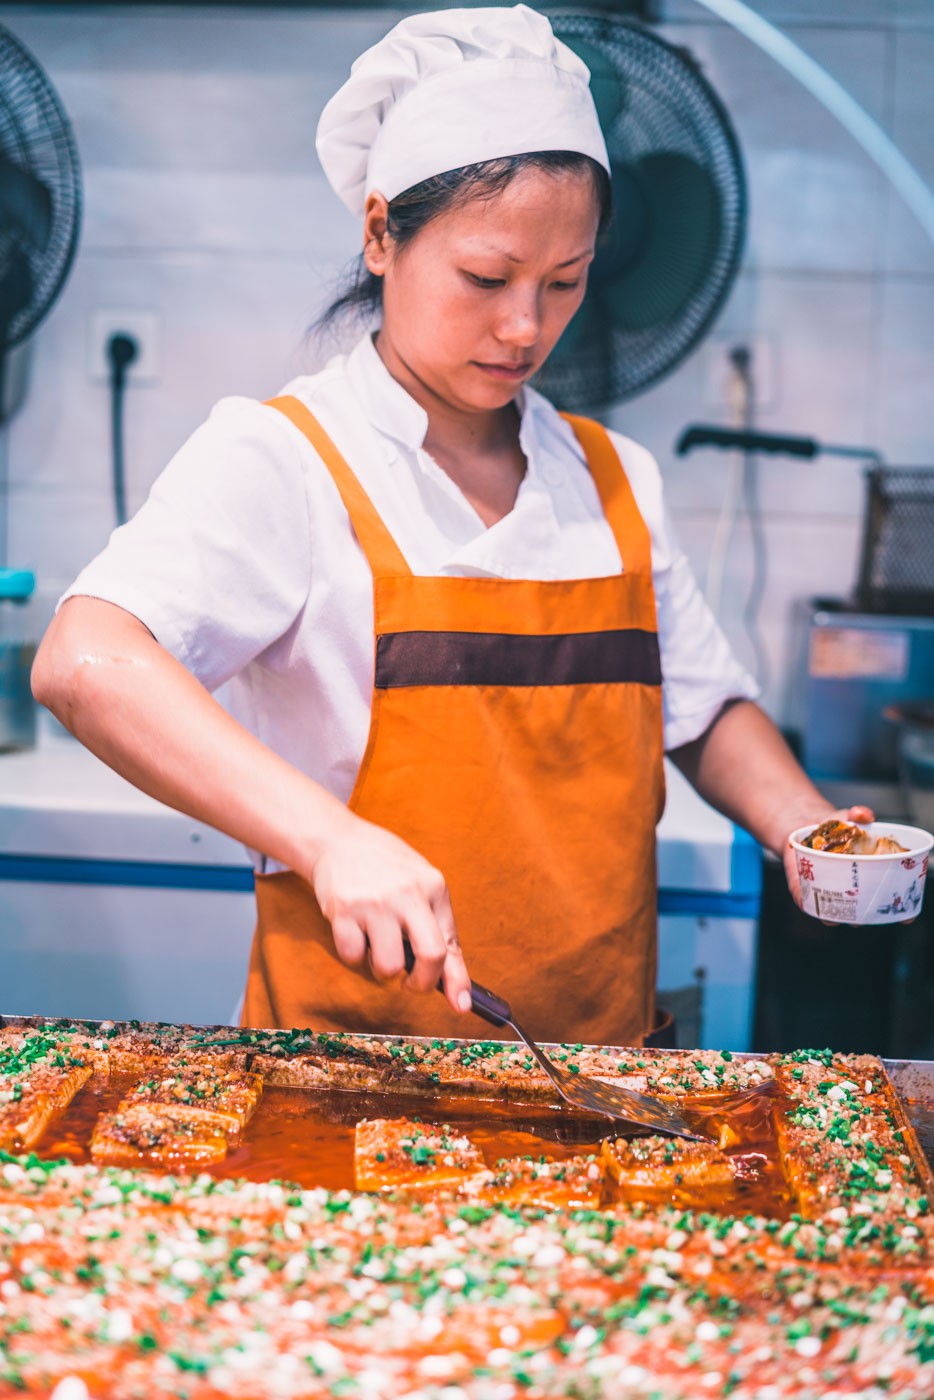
(82, 662)
(56, 677)
(52, 678)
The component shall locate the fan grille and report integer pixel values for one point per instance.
(36, 138)
(680, 212)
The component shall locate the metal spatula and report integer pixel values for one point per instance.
(592, 1095)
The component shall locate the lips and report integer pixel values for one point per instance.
(505, 371)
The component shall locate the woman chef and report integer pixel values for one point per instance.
(459, 631)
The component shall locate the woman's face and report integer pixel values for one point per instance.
(473, 305)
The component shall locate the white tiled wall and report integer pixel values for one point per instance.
(204, 207)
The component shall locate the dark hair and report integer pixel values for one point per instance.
(410, 211)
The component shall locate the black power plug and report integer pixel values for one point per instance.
(122, 350)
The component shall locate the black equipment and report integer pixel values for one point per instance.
(40, 195)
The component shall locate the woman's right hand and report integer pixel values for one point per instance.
(372, 887)
(108, 680)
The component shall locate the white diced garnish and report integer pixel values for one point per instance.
(70, 1388)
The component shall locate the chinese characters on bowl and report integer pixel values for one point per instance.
(848, 886)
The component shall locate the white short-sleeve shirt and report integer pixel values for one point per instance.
(243, 564)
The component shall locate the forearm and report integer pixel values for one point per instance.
(742, 766)
(131, 703)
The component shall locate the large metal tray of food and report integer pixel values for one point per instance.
(206, 1211)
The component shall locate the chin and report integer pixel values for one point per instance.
(496, 399)
(489, 394)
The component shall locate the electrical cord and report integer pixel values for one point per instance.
(742, 488)
(741, 359)
(122, 350)
(760, 567)
(738, 395)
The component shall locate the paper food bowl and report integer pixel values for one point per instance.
(850, 889)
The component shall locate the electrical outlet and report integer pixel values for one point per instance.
(717, 371)
(143, 326)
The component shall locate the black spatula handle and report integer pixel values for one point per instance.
(487, 1004)
(483, 1002)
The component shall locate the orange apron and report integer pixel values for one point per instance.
(515, 742)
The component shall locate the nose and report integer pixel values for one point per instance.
(520, 320)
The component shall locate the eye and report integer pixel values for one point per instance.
(566, 286)
(488, 283)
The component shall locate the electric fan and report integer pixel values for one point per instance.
(40, 196)
(679, 196)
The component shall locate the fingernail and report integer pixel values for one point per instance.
(463, 1001)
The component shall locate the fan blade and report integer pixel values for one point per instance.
(624, 241)
(25, 205)
(16, 289)
(683, 212)
(585, 350)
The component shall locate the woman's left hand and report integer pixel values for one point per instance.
(860, 815)
(743, 766)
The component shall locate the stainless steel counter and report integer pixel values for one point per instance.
(914, 1081)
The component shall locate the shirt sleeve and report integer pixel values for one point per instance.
(699, 671)
(217, 562)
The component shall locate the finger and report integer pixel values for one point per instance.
(384, 935)
(428, 946)
(791, 875)
(860, 813)
(456, 975)
(349, 940)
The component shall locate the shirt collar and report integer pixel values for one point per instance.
(393, 412)
(389, 407)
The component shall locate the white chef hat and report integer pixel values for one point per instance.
(452, 88)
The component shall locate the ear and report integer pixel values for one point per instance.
(376, 237)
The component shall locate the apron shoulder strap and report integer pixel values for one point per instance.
(619, 505)
(383, 554)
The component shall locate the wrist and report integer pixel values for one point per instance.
(800, 810)
(323, 822)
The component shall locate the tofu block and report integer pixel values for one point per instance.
(660, 1168)
(28, 1103)
(394, 1154)
(143, 1135)
(574, 1183)
(217, 1097)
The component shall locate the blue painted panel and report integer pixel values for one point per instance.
(144, 874)
(716, 904)
(745, 864)
(742, 901)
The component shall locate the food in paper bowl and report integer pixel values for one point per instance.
(848, 839)
(870, 874)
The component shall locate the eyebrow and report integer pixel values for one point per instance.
(501, 253)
